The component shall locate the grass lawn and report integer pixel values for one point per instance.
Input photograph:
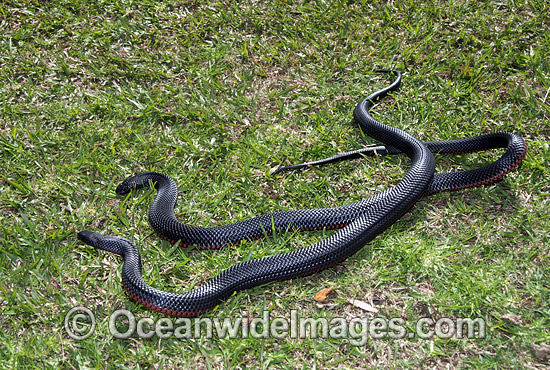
(218, 94)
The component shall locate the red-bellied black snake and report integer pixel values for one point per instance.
(359, 222)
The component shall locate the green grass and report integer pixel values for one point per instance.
(218, 94)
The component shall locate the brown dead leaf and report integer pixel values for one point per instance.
(513, 318)
(322, 295)
(541, 350)
(54, 282)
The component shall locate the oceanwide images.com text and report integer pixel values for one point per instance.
(80, 323)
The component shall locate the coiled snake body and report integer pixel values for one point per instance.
(359, 222)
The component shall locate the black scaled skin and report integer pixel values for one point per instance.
(361, 221)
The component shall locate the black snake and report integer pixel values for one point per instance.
(359, 222)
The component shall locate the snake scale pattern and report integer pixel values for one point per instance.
(358, 223)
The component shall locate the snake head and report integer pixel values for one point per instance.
(144, 179)
(126, 186)
(89, 237)
(108, 243)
